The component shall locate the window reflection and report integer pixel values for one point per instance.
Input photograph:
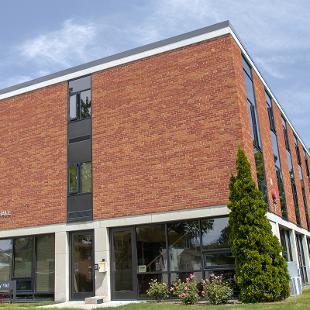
(45, 263)
(151, 248)
(23, 249)
(5, 259)
(184, 246)
(214, 233)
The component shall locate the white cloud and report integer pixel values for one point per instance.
(63, 47)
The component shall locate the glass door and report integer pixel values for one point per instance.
(124, 264)
(82, 262)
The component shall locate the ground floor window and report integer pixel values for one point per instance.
(286, 244)
(167, 252)
(301, 259)
(30, 261)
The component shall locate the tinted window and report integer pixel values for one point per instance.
(286, 245)
(214, 233)
(246, 67)
(260, 171)
(23, 250)
(73, 107)
(276, 155)
(281, 192)
(85, 104)
(73, 179)
(249, 88)
(80, 84)
(151, 248)
(45, 263)
(85, 174)
(184, 246)
(6, 246)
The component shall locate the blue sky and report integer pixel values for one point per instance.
(40, 37)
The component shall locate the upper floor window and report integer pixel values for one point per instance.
(80, 179)
(270, 113)
(80, 98)
(306, 163)
(284, 126)
(297, 150)
(251, 103)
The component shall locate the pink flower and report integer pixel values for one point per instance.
(171, 289)
(191, 276)
(185, 288)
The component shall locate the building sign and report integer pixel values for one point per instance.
(5, 213)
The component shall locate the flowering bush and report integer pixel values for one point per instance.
(157, 290)
(216, 290)
(187, 291)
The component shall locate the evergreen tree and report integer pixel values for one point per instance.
(261, 272)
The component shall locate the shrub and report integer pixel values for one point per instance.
(261, 272)
(216, 290)
(187, 291)
(157, 290)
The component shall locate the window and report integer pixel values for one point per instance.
(260, 172)
(306, 163)
(85, 172)
(80, 99)
(184, 246)
(270, 113)
(297, 150)
(6, 247)
(258, 154)
(73, 179)
(23, 250)
(281, 192)
(277, 162)
(45, 264)
(287, 144)
(286, 245)
(80, 178)
(301, 259)
(173, 250)
(304, 197)
(295, 199)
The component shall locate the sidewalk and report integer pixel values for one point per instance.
(82, 305)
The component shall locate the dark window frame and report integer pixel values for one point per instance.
(78, 105)
(202, 270)
(78, 101)
(33, 293)
(79, 185)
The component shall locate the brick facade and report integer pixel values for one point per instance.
(165, 131)
(33, 162)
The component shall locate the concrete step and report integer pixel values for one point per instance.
(94, 300)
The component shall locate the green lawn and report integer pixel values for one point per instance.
(292, 303)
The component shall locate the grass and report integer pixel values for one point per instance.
(293, 303)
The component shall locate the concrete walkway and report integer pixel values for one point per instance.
(81, 304)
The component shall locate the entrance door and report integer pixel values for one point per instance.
(82, 262)
(124, 264)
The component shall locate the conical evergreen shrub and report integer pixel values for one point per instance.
(261, 272)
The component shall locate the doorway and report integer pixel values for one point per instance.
(82, 262)
(123, 264)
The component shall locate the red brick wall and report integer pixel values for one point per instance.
(166, 131)
(33, 133)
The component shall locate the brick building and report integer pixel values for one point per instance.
(126, 160)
